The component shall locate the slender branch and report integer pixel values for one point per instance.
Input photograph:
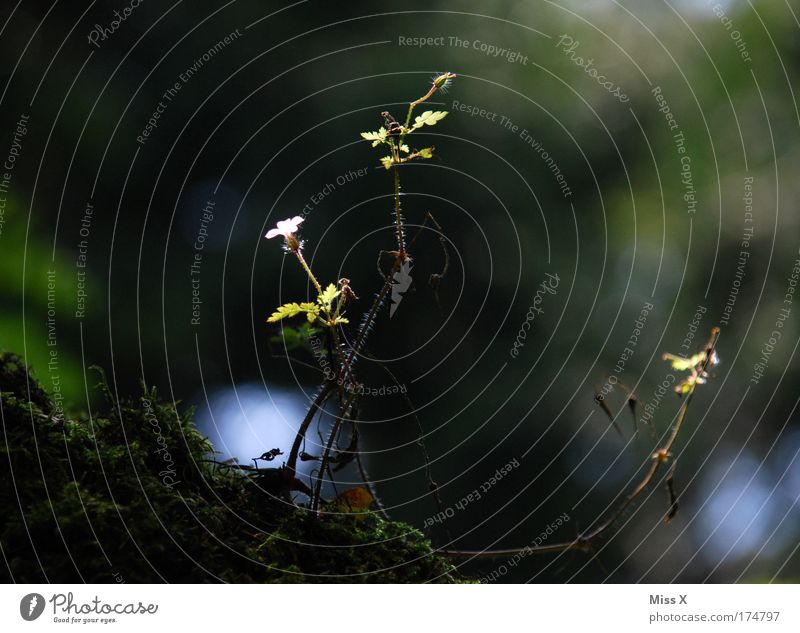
(433, 487)
(398, 219)
(584, 541)
(316, 405)
(343, 360)
(408, 119)
(579, 543)
(327, 452)
(368, 483)
(373, 311)
(306, 267)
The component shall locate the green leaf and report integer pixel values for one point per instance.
(327, 296)
(376, 137)
(284, 311)
(429, 117)
(679, 363)
(387, 162)
(292, 338)
(425, 153)
(404, 148)
(289, 310)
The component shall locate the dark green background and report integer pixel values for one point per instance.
(276, 116)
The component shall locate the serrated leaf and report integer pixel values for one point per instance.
(404, 148)
(328, 295)
(387, 162)
(376, 137)
(289, 310)
(285, 311)
(425, 153)
(429, 117)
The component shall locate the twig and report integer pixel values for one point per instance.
(368, 482)
(327, 452)
(316, 405)
(433, 487)
(584, 541)
(398, 218)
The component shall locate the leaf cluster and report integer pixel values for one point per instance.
(400, 151)
(322, 309)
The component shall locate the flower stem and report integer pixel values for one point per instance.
(421, 99)
(305, 266)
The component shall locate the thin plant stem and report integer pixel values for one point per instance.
(327, 452)
(331, 326)
(373, 311)
(368, 483)
(316, 405)
(306, 267)
(398, 218)
(408, 122)
(584, 541)
(387, 284)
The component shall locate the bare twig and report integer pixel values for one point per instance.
(327, 452)
(601, 402)
(661, 456)
(316, 405)
(673, 498)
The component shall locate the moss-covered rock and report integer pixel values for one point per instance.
(128, 494)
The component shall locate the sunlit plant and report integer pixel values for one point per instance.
(328, 312)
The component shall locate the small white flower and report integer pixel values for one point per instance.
(286, 228)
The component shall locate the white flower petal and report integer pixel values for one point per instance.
(285, 227)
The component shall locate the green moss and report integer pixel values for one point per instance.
(352, 549)
(127, 495)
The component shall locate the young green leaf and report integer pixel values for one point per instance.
(679, 363)
(429, 117)
(387, 162)
(289, 310)
(424, 153)
(376, 137)
(292, 338)
(327, 296)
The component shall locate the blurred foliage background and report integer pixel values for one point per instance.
(269, 126)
